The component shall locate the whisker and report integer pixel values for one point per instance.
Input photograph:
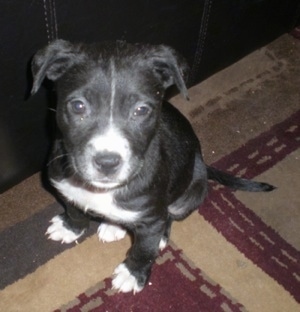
(55, 158)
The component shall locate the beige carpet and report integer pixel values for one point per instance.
(239, 252)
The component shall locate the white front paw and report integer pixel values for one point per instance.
(58, 232)
(123, 281)
(109, 232)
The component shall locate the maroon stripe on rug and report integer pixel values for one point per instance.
(259, 242)
(264, 151)
(174, 285)
(240, 225)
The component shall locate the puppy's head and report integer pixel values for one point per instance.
(109, 103)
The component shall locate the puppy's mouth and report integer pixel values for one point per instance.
(105, 183)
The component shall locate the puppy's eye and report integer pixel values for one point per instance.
(78, 107)
(141, 111)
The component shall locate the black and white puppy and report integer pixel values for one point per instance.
(122, 152)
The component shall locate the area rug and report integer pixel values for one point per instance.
(238, 252)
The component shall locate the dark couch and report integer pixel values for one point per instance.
(210, 34)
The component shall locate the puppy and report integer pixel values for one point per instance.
(121, 152)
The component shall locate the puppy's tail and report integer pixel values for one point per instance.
(237, 183)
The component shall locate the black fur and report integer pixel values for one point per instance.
(166, 178)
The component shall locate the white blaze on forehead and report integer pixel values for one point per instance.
(113, 89)
(111, 140)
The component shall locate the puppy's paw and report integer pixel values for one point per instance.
(58, 232)
(109, 232)
(125, 282)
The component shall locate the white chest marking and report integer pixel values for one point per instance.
(100, 203)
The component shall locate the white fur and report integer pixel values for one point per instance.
(111, 141)
(57, 232)
(123, 281)
(109, 232)
(113, 90)
(100, 202)
(163, 244)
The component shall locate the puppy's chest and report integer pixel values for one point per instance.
(101, 203)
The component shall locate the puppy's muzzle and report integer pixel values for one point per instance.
(107, 163)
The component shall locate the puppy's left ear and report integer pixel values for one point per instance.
(171, 68)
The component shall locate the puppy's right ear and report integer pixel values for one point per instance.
(52, 62)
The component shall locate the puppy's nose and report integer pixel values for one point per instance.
(107, 162)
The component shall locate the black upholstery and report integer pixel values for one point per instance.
(210, 34)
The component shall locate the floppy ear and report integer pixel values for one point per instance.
(171, 68)
(52, 62)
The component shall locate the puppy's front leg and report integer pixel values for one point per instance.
(134, 272)
(69, 226)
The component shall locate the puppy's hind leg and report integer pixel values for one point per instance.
(193, 196)
(165, 238)
(69, 226)
(189, 201)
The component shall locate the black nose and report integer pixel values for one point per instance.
(107, 162)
